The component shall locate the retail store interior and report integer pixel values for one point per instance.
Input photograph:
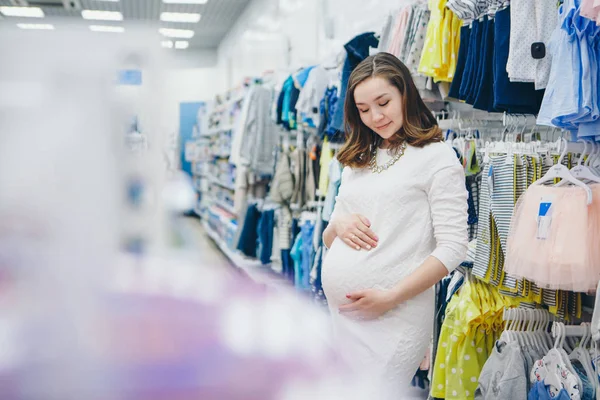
(299, 199)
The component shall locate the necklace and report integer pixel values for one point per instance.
(379, 169)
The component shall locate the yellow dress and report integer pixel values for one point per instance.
(442, 40)
(326, 157)
(472, 325)
(431, 57)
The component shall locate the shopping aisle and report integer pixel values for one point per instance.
(195, 237)
(208, 252)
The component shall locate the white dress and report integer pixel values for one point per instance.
(417, 208)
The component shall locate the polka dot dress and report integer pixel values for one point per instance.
(473, 322)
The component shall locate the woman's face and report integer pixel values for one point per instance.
(379, 104)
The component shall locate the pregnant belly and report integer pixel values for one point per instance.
(346, 270)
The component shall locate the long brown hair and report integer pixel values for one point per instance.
(419, 127)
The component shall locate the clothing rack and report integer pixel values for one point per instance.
(560, 329)
(307, 206)
(527, 314)
(527, 120)
(522, 122)
(541, 315)
(483, 119)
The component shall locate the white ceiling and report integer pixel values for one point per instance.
(218, 16)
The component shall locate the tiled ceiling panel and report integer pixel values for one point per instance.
(218, 16)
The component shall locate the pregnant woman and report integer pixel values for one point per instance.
(398, 227)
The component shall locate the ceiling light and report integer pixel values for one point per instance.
(30, 12)
(107, 28)
(182, 44)
(102, 15)
(185, 1)
(180, 17)
(177, 33)
(167, 44)
(45, 27)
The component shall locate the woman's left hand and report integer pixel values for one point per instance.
(368, 304)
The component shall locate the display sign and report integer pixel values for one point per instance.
(130, 77)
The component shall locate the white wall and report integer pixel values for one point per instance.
(303, 32)
(191, 59)
(189, 77)
(188, 85)
(270, 35)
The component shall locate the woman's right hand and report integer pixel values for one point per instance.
(355, 231)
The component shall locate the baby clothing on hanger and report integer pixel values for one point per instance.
(590, 9)
(402, 23)
(471, 326)
(542, 392)
(416, 38)
(571, 100)
(386, 33)
(504, 375)
(512, 97)
(480, 77)
(442, 43)
(531, 27)
(468, 10)
(562, 253)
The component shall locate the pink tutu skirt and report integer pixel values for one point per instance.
(562, 249)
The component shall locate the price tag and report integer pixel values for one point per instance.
(490, 179)
(545, 217)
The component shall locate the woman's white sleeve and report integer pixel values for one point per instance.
(447, 196)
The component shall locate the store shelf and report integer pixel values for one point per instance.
(225, 106)
(222, 184)
(224, 220)
(225, 206)
(254, 269)
(216, 131)
(236, 258)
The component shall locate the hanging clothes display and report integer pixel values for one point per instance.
(528, 363)
(563, 252)
(439, 56)
(288, 98)
(357, 50)
(572, 99)
(504, 374)
(249, 232)
(415, 39)
(401, 31)
(324, 162)
(472, 324)
(465, 148)
(329, 103)
(481, 78)
(311, 94)
(532, 24)
(504, 180)
(335, 179)
(266, 232)
(258, 134)
(591, 10)
(405, 38)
